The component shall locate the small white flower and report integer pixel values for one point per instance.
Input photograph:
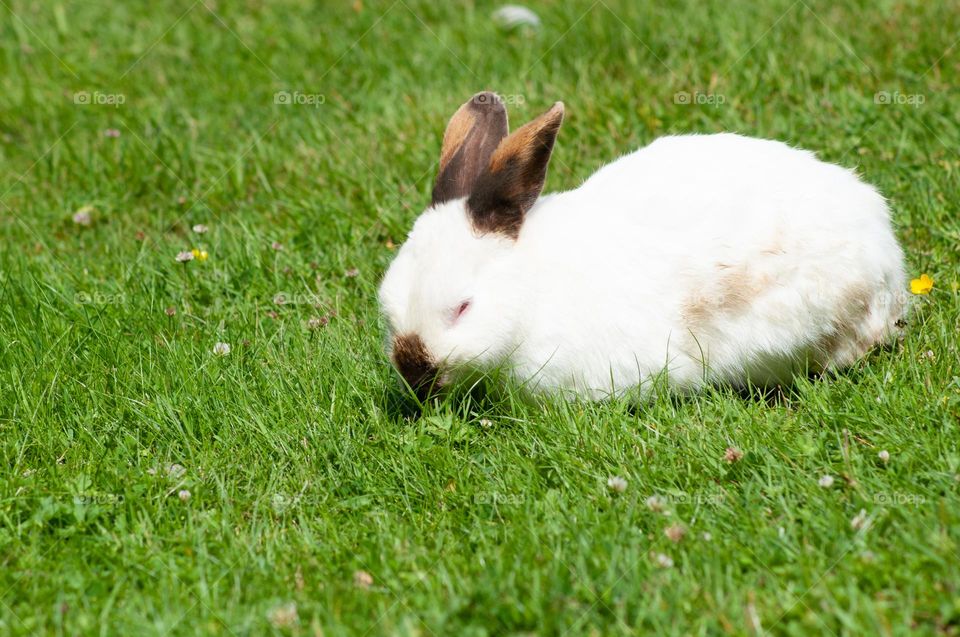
(284, 616)
(616, 484)
(826, 481)
(200, 228)
(656, 504)
(362, 579)
(83, 216)
(884, 455)
(221, 349)
(675, 532)
(732, 454)
(176, 470)
(184, 256)
(707, 536)
(860, 520)
(486, 423)
(316, 322)
(512, 16)
(184, 495)
(663, 560)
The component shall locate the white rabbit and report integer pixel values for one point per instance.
(697, 259)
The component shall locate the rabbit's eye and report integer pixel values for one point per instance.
(460, 309)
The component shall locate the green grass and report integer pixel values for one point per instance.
(305, 461)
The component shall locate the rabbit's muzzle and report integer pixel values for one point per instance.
(413, 361)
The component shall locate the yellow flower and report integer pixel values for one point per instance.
(201, 255)
(923, 285)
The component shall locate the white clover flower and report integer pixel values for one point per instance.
(656, 504)
(362, 579)
(317, 322)
(284, 616)
(513, 16)
(675, 532)
(732, 454)
(83, 216)
(860, 520)
(221, 349)
(184, 256)
(616, 484)
(663, 560)
(826, 481)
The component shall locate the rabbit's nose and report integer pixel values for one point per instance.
(414, 363)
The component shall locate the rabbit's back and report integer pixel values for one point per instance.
(717, 257)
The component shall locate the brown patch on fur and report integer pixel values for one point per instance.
(775, 247)
(845, 341)
(412, 360)
(471, 137)
(515, 176)
(733, 293)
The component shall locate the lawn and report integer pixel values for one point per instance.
(154, 486)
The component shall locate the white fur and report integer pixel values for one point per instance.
(714, 258)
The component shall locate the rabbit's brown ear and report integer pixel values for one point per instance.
(513, 179)
(470, 139)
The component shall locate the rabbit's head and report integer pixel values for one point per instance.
(447, 295)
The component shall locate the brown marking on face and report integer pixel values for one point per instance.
(512, 181)
(472, 136)
(413, 361)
